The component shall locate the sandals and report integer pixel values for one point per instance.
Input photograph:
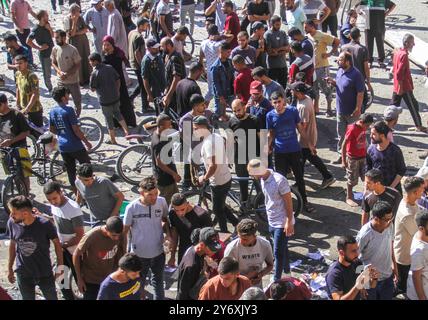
(308, 208)
(110, 142)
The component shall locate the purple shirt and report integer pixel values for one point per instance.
(348, 85)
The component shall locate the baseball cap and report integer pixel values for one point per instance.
(256, 168)
(392, 112)
(209, 237)
(258, 25)
(152, 43)
(201, 120)
(3, 98)
(298, 86)
(256, 87)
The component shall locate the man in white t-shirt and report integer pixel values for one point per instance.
(214, 158)
(251, 251)
(145, 219)
(417, 282)
(68, 219)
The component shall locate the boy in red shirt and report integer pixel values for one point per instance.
(232, 24)
(288, 288)
(354, 151)
(242, 82)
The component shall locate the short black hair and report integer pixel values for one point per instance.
(168, 41)
(148, 183)
(279, 289)
(247, 227)
(348, 57)
(375, 175)
(194, 236)
(422, 218)
(381, 209)
(20, 202)
(355, 33)
(142, 21)
(311, 22)
(130, 262)
(51, 187)
(11, 37)
(114, 225)
(61, 33)
(162, 118)
(228, 265)
(294, 32)
(178, 199)
(21, 57)
(274, 19)
(367, 118)
(381, 127)
(85, 170)
(276, 95)
(183, 30)
(343, 241)
(243, 34)
(296, 46)
(228, 3)
(225, 46)
(196, 99)
(59, 92)
(410, 184)
(213, 30)
(259, 72)
(195, 66)
(95, 56)
(238, 59)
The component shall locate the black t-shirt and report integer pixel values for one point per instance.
(340, 278)
(185, 89)
(392, 196)
(244, 144)
(13, 124)
(189, 271)
(197, 218)
(157, 146)
(174, 66)
(259, 9)
(42, 36)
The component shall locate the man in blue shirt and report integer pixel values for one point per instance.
(282, 123)
(349, 95)
(63, 122)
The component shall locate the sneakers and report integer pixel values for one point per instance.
(327, 182)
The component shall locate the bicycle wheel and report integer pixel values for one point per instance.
(134, 163)
(33, 148)
(93, 131)
(143, 131)
(12, 187)
(204, 201)
(58, 171)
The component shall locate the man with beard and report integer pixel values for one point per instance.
(116, 27)
(403, 84)
(232, 25)
(30, 237)
(343, 280)
(96, 18)
(258, 105)
(295, 16)
(386, 156)
(66, 62)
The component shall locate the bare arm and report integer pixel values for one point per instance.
(79, 231)
(271, 137)
(211, 9)
(148, 90)
(417, 282)
(360, 98)
(163, 26)
(11, 261)
(172, 88)
(58, 252)
(79, 134)
(212, 167)
(396, 181)
(326, 12)
(119, 200)
(351, 295)
(125, 234)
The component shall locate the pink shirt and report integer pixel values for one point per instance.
(21, 8)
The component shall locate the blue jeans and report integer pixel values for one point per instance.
(157, 266)
(218, 108)
(383, 291)
(27, 287)
(280, 252)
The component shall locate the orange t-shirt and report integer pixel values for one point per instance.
(214, 290)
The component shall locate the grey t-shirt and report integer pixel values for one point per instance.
(276, 39)
(250, 258)
(270, 88)
(99, 196)
(249, 54)
(376, 249)
(103, 80)
(146, 227)
(67, 218)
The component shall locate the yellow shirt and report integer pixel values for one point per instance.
(321, 40)
(28, 85)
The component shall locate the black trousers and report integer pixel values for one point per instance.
(376, 32)
(403, 273)
(140, 90)
(70, 159)
(67, 293)
(316, 162)
(241, 171)
(412, 105)
(330, 23)
(293, 160)
(91, 292)
(23, 39)
(36, 118)
(280, 75)
(219, 194)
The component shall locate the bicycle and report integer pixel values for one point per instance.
(253, 208)
(50, 169)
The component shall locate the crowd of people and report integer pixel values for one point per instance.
(264, 83)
